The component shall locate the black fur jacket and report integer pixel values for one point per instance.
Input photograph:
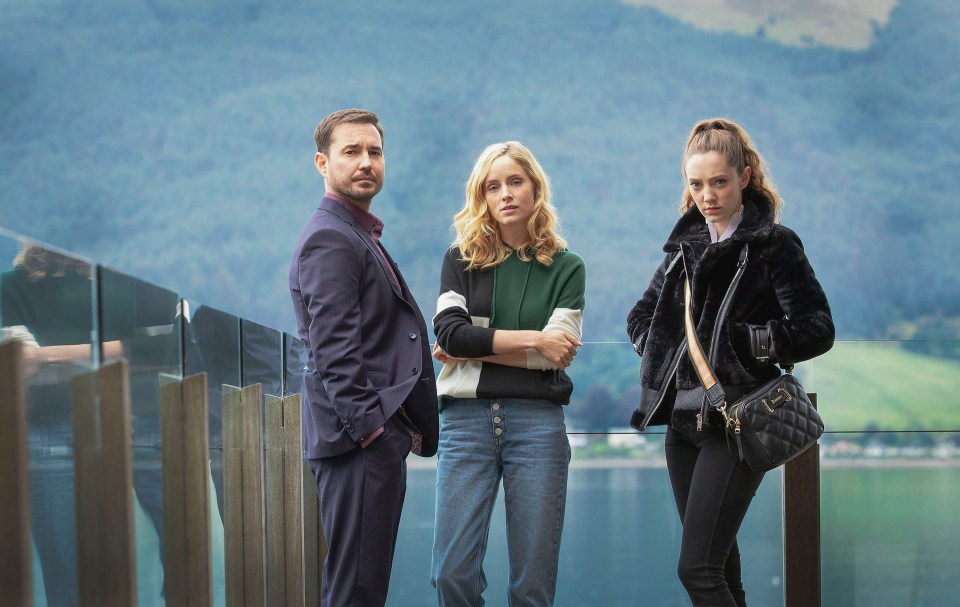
(779, 304)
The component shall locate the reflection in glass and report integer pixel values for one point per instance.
(143, 319)
(262, 357)
(46, 301)
(294, 364)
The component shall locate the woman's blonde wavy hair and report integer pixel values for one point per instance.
(477, 234)
(732, 142)
(39, 263)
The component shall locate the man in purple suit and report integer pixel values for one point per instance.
(369, 392)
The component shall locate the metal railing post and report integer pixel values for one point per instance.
(801, 528)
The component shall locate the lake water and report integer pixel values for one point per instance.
(890, 538)
(620, 542)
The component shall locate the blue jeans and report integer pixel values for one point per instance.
(713, 490)
(524, 443)
(53, 508)
(54, 526)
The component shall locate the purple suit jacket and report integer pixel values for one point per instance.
(368, 346)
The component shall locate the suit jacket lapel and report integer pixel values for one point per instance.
(396, 270)
(335, 207)
(368, 240)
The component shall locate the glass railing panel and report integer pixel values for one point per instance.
(262, 355)
(212, 346)
(47, 301)
(606, 387)
(889, 458)
(410, 578)
(621, 535)
(294, 364)
(141, 323)
(622, 532)
(262, 363)
(860, 385)
(887, 385)
(888, 510)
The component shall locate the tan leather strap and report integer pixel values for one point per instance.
(697, 356)
(714, 391)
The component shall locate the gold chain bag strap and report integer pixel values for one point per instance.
(772, 424)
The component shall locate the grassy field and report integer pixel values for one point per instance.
(881, 386)
(860, 385)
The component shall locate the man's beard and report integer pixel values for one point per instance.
(352, 192)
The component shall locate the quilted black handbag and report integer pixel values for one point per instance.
(772, 424)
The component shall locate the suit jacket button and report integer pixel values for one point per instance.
(413, 371)
(413, 335)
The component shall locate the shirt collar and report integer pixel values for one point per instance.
(731, 227)
(367, 220)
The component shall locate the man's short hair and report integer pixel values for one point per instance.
(324, 131)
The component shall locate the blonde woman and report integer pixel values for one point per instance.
(508, 323)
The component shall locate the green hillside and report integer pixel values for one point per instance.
(172, 139)
(882, 386)
(862, 385)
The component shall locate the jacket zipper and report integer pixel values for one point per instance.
(663, 390)
(715, 339)
(676, 357)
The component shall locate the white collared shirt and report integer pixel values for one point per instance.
(731, 227)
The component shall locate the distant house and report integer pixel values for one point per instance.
(625, 437)
(578, 438)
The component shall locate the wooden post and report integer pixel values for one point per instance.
(86, 465)
(275, 515)
(188, 560)
(119, 566)
(285, 558)
(196, 492)
(15, 558)
(292, 501)
(174, 526)
(254, 567)
(243, 524)
(801, 528)
(233, 545)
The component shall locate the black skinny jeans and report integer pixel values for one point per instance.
(713, 490)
